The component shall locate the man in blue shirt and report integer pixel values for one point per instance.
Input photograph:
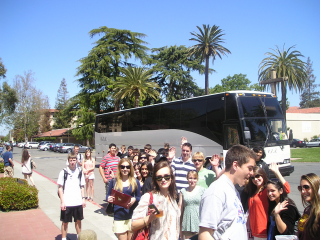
(8, 162)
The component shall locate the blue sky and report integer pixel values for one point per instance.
(49, 37)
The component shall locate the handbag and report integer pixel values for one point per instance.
(271, 229)
(143, 233)
(33, 164)
(110, 206)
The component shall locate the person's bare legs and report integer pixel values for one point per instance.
(64, 229)
(122, 236)
(92, 188)
(31, 179)
(78, 226)
(87, 189)
(25, 177)
(129, 235)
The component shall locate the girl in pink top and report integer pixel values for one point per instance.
(88, 171)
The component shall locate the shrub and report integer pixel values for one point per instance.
(315, 137)
(16, 195)
(306, 140)
(1, 167)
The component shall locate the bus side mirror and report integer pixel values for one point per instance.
(247, 134)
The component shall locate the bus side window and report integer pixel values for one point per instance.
(232, 135)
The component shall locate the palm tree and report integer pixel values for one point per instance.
(209, 40)
(288, 66)
(136, 82)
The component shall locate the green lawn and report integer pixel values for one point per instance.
(306, 154)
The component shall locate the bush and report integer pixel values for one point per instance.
(315, 137)
(17, 194)
(306, 139)
(45, 139)
(1, 167)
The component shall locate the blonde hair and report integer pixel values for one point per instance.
(198, 155)
(132, 181)
(194, 173)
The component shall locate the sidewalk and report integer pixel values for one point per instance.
(44, 223)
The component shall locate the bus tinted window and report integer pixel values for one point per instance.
(150, 118)
(251, 107)
(215, 116)
(231, 108)
(170, 116)
(273, 108)
(258, 129)
(134, 119)
(112, 123)
(193, 114)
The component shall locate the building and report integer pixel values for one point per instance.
(304, 122)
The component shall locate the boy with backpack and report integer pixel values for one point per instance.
(71, 192)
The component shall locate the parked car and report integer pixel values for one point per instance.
(20, 145)
(31, 145)
(83, 149)
(45, 147)
(297, 143)
(313, 143)
(44, 142)
(66, 147)
(56, 147)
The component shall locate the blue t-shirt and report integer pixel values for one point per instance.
(6, 157)
(121, 213)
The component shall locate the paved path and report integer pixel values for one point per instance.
(49, 202)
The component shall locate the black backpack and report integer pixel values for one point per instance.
(65, 175)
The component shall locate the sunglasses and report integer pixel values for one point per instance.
(197, 160)
(123, 166)
(305, 187)
(166, 177)
(256, 176)
(143, 157)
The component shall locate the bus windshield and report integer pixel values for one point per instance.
(263, 117)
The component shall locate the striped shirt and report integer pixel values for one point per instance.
(109, 162)
(180, 171)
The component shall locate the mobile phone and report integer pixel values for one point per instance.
(152, 206)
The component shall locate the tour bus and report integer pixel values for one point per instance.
(211, 123)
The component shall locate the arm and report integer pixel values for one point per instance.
(101, 170)
(281, 226)
(215, 161)
(138, 224)
(60, 191)
(137, 195)
(11, 162)
(275, 169)
(93, 165)
(205, 233)
(84, 204)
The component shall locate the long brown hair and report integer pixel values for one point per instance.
(132, 181)
(172, 187)
(313, 220)
(25, 156)
(251, 188)
(85, 154)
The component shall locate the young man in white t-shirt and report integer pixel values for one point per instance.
(221, 211)
(71, 193)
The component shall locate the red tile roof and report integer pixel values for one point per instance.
(303, 110)
(54, 133)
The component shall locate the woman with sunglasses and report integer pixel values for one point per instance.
(165, 225)
(189, 202)
(146, 172)
(282, 212)
(125, 183)
(205, 176)
(258, 200)
(143, 157)
(309, 224)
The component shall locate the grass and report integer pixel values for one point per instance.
(306, 154)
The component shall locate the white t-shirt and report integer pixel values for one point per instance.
(220, 206)
(79, 157)
(72, 192)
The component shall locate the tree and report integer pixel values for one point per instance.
(84, 125)
(236, 82)
(30, 105)
(100, 70)
(8, 101)
(309, 96)
(3, 70)
(172, 68)
(288, 65)
(45, 120)
(136, 83)
(209, 45)
(61, 119)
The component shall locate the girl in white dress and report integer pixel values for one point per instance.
(26, 166)
(88, 171)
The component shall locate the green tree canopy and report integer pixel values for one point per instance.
(8, 101)
(61, 119)
(103, 65)
(3, 70)
(288, 65)
(236, 82)
(209, 40)
(172, 67)
(136, 83)
(310, 96)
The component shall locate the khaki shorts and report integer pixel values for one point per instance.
(121, 226)
(8, 171)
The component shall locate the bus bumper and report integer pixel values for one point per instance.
(285, 171)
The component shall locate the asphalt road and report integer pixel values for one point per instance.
(50, 164)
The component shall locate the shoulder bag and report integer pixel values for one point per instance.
(143, 233)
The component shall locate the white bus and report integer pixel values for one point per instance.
(211, 123)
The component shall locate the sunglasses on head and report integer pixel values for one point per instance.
(256, 176)
(166, 177)
(197, 160)
(305, 187)
(125, 166)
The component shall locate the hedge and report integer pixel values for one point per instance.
(45, 139)
(1, 167)
(17, 194)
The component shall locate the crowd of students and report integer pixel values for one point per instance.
(237, 202)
